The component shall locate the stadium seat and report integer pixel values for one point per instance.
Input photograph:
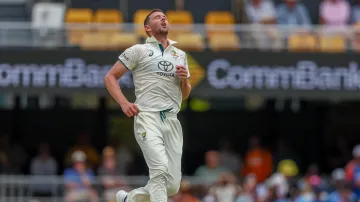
(122, 41)
(219, 17)
(108, 16)
(302, 42)
(215, 18)
(184, 18)
(190, 42)
(335, 43)
(111, 16)
(355, 38)
(224, 41)
(81, 16)
(139, 17)
(94, 41)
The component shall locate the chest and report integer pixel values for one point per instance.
(260, 11)
(161, 62)
(334, 10)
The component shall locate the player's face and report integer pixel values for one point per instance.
(158, 23)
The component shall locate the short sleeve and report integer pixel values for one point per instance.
(68, 176)
(187, 66)
(130, 57)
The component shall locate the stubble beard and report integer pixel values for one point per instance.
(163, 32)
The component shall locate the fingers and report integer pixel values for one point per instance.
(133, 110)
(180, 68)
(183, 76)
(181, 72)
(129, 113)
(137, 109)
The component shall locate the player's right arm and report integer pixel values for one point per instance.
(127, 60)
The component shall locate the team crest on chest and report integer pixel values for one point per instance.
(175, 55)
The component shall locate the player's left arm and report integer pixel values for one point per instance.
(182, 71)
(185, 88)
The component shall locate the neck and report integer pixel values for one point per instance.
(163, 40)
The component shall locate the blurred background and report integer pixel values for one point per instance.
(273, 115)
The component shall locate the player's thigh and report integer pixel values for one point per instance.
(174, 148)
(150, 139)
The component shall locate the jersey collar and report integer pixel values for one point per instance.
(153, 40)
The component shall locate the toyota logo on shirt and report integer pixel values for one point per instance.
(165, 66)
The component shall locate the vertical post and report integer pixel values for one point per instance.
(12, 189)
(21, 182)
(179, 4)
(124, 4)
(2, 188)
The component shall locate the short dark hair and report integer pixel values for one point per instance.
(147, 19)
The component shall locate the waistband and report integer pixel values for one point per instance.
(167, 113)
(164, 114)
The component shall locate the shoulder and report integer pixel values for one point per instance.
(324, 4)
(281, 7)
(200, 169)
(301, 6)
(345, 3)
(138, 47)
(268, 4)
(69, 171)
(179, 51)
(223, 169)
(135, 51)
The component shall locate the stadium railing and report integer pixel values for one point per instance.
(23, 34)
(19, 188)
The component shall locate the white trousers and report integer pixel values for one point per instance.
(159, 135)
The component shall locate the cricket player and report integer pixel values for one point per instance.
(160, 73)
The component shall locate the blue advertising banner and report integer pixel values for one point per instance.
(213, 74)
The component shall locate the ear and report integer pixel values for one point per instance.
(147, 28)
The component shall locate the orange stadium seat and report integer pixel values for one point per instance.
(94, 41)
(184, 18)
(108, 16)
(190, 42)
(79, 15)
(122, 41)
(111, 16)
(335, 43)
(215, 18)
(355, 39)
(302, 42)
(139, 17)
(74, 16)
(224, 41)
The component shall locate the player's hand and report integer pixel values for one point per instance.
(181, 72)
(130, 109)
